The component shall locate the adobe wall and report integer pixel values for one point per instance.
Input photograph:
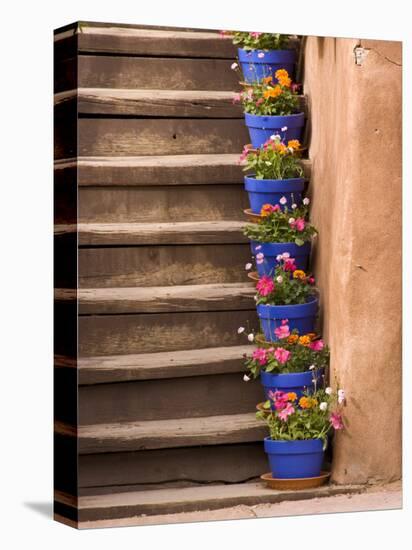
(355, 148)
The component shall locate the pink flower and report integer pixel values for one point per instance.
(336, 421)
(255, 34)
(311, 280)
(260, 355)
(317, 345)
(236, 98)
(286, 412)
(285, 321)
(298, 224)
(265, 286)
(289, 264)
(282, 355)
(282, 331)
(260, 101)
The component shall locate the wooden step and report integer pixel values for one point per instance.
(93, 234)
(153, 366)
(182, 432)
(154, 170)
(164, 103)
(172, 501)
(210, 297)
(121, 40)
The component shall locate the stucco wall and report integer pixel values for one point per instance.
(355, 148)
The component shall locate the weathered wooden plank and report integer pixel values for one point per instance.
(183, 432)
(161, 203)
(225, 463)
(161, 265)
(116, 39)
(124, 137)
(156, 170)
(129, 507)
(156, 299)
(153, 366)
(160, 399)
(156, 73)
(155, 233)
(164, 103)
(156, 332)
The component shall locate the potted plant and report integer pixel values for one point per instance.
(261, 54)
(272, 108)
(288, 294)
(293, 363)
(274, 172)
(298, 429)
(279, 232)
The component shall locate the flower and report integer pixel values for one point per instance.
(312, 367)
(294, 144)
(248, 266)
(307, 402)
(234, 66)
(336, 421)
(246, 378)
(260, 55)
(284, 129)
(240, 330)
(267, 79)
(306, 201)
(285, 321)
(286, 412)
(291, 221)
(282, 331)
(294, 206)
(255, 34)
(260, 355)
(292, 339)
(260, 256)
(300, 224)
(279, 279)
(282, 355)
(279, 257)
(304, 340)
(236, 98)
(250, 337)
(299, 274)
(286, 255)
(311, 280)
(283, 200)
(341, 396)
(289, 265)
(258, 247)
(265, 286)
(323, 406)
(317, 345)
(272, 92)
(328, 390)
(292, 396)
(268, 209)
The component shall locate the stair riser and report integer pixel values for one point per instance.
(226, 463)
(162, 204)
(162, 265)
(168, 398)
(156, 73)
(147, 333)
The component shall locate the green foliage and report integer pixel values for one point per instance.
(290, 291)
(269, 99)
(274, 160)
(260, 40)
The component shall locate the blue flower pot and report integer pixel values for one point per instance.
(271, 250)
(262, 127)
(294, 459)
(255, 68)
(296, 382)
(301, 317)
(271, 191)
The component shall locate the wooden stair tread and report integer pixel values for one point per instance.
(160, 298)
(150, 366)
(158, 170)
(155, 233)
(160, 434)
(175, 500)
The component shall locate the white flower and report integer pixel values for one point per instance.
(248, 266)
(240, 330)
(279, 279)
(284, 128)
(260, 55)
(279, 257)
(294, 206)
(260, 256)
(285, 255)
(234, 66)
(276, 136)
(246, 378)
(283, 200)
(291, 220)
(323, 406)
(258, 247)
(341, 396)
(273, 137)
(306, 201)
(328, 391)
(250, 337)
(311, 367)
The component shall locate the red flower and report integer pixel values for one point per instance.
(265, 286)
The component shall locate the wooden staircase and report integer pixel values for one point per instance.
(149, 273)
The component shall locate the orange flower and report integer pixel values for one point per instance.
(266, 210)
(311, 335)
(299, 274)
(294, 144)
(307, 402)
(281, 73)
(292, 339)
(272, 92)
(268, 79)
(286, 82)
(304, 340)
(280, 148)
(292, 396)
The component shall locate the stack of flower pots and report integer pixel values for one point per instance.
(291, 359)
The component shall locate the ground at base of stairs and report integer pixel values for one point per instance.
(374, 498)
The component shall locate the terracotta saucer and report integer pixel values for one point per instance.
(295, 484)
(252, 217)
(253, 275)
(260, 408)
